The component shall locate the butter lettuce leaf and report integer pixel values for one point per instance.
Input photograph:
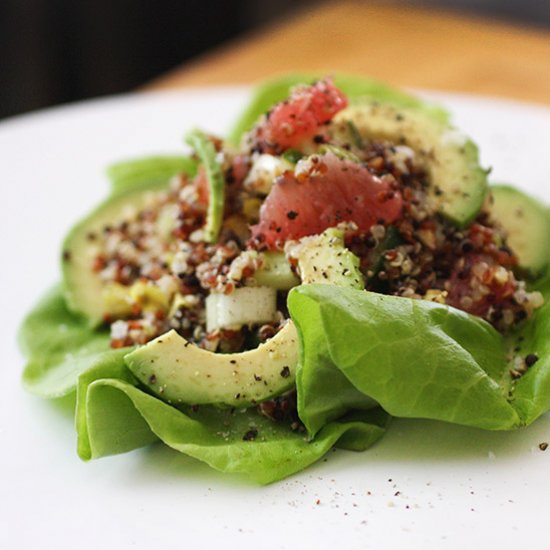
(60, 346)
(530, 394)
(126, 175)
(123, 431)
(270, 452)
(415, 358)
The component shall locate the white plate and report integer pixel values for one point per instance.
(425, 485)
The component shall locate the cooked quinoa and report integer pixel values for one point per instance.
(420, 256)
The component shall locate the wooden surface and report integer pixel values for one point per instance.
(400, 44)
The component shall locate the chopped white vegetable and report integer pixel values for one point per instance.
(244, 306)
(264, 171)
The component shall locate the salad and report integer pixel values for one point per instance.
(338, 259)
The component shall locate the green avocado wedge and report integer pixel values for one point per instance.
(180, 372)
(276, 272)
(82, 285)
(324, 258)
(527, 224)
(457, 183)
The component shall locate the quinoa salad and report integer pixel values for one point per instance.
(336, 221)
(158, 270)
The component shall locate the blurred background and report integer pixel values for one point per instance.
(55, 51)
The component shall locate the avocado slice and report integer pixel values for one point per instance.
(458, 184)
(180, 372)
(204, 148)
(527, 223)
(324, 259)
(82, 286)
(276, 272)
